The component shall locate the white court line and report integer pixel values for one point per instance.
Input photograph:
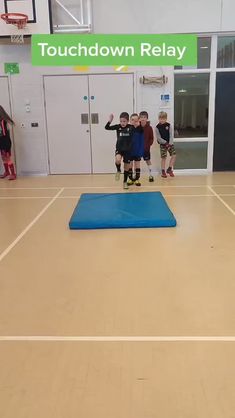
(15, 242)
(30, 188)
(24, 197)
(155, 186)
(113, 187)
(166, 195)
(117, 339)
(221, 200)
(78, 195)
(227, 194)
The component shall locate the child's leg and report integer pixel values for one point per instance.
(126, 174)
(131, 171)
(172, 153)
(11, 167)
(137, 170)
(130, 181)
(172, 161)
(5, 163)
(163, 151)
(118, 160)
(163, 164)
(149, 165)
(163, 167)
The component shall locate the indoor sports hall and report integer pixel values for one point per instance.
(121, 322)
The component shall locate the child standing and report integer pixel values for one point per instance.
(5, 145)
(123, 145)
(137, 150)
(148, 141)
(165, 139)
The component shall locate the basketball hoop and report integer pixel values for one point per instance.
(17, 19)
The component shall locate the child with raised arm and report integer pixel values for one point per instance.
(123, 145)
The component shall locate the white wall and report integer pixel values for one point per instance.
(168, 16)
(31, 143)
(136, 16)
(227, 15)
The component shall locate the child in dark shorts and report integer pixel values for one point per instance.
(137, 150)
(148, 141)
(164, 134)
(123, 145)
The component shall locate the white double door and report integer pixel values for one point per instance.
(77, 109)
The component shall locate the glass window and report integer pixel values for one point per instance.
(203, 54)
(191, 155)
(226, 52)
(191, 105)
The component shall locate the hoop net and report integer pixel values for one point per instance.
(17, 39)
(17, 19)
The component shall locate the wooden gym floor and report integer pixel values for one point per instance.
(117, 323)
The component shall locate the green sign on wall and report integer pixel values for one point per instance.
(11, 68)
(114, 50)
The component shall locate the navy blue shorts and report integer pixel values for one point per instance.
(135, 158)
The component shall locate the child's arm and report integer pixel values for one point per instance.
(4, 127)
(151, 138)
(160, 140)
(108, 124)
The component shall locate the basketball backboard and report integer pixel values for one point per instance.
(38, 12)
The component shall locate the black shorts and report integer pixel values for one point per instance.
(5, 144)
(147, 156)
(135, 158)
(125, 156)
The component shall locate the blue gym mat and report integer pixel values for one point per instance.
(122, 210)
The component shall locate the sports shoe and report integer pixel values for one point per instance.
(4, 175)
(164, 175)
(117, 175)
(151, 179)
(137, 183)
(130, 182)
(170, 172)
(125, 186)
(12, 177)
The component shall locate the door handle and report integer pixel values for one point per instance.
(84, 119)
(94, 118)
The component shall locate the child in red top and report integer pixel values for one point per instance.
(148, 141)
(5, 145)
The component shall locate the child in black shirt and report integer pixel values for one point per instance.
(123, 145)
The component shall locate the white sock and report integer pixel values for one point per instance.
(150, 169)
